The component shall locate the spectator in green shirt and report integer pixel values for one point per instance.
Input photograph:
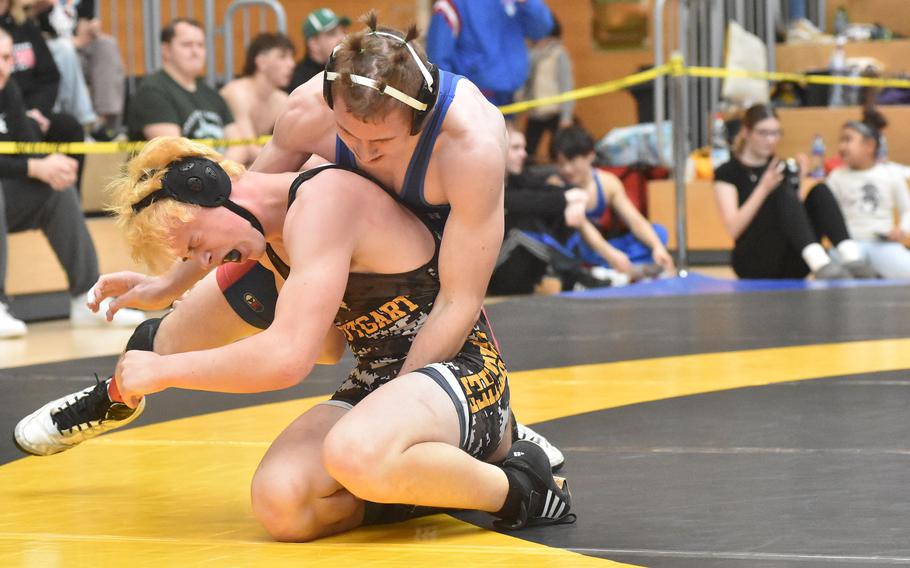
(175, 101)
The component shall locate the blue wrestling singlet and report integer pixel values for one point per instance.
(595, 214)
(412, 189)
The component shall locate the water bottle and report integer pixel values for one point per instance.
(720, 150)
(818, 158)
(838, 67)
(841, 21)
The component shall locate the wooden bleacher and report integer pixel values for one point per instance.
(705, 231)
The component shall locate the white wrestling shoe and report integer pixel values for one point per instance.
(81, 316)
(68, 421)
(557, 459)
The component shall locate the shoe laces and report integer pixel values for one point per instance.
(79, 413)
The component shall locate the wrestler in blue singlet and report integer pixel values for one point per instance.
(594, 215)
(412, 189)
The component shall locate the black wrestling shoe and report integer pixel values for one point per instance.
(544, 498)
(70, 420)
(386, 513)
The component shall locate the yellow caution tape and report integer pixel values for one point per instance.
(591, 91)
(111, 147)
(676, 67)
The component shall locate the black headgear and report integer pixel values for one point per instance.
(197, 181)
(426, 95)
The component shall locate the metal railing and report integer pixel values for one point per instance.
(228, 27)
(154, 14)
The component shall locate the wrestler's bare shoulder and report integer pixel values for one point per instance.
(472, 123)
(339, 192)
(307, 123)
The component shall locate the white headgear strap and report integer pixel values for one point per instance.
(388, 89)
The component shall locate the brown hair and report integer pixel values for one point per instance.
(382, 59)
(754, 115)
(263, 43)
(147, 232)
(170, 30)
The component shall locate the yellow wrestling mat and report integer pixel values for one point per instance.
(177, 493)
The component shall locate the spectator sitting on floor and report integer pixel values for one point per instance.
(776, 229)
(538, 218)
(574, 151)
(257, 97)
(322, 31)
(38, 193)
(175, 101)
(869, 192)
(89, 62)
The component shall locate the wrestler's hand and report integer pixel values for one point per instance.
(137, 376)
(576, 203)
(619, 261)
(663, 259)
(129, 290)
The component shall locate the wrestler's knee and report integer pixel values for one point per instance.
(359, 462)
(283, 503)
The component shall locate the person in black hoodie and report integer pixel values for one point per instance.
(38, 193)
(37, 76)
(536, 213)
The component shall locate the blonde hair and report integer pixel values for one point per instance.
(148, 231)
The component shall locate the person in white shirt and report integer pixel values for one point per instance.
(869, 192)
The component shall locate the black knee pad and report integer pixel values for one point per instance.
(143, 339)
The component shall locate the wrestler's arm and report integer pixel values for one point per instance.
(285, 353)
(306, 127)
(470, 246)
(142, 291)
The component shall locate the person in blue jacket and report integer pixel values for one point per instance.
(485, 41)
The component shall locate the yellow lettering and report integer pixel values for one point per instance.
(408, 303)
(391, 309)
(380, 319)
(366, 325)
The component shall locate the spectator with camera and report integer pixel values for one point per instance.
(776, 229)
(869, 192)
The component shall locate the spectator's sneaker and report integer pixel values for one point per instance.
(10, 327)
(63, 423)
(832, 271)
(546, 499)
(81, 316)
(860, 269)
(556, 458)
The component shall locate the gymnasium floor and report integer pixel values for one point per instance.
(704, 425)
